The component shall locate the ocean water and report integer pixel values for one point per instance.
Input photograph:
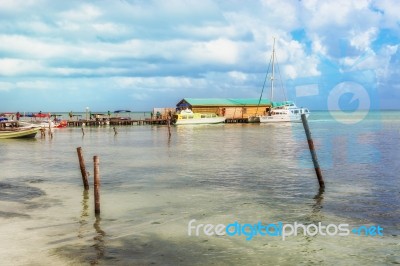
(153, 185)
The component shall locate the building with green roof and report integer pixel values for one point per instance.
(229, 107)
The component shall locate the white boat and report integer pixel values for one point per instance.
(44, 123)
(23, 124)
(187, 117)
(285, 111)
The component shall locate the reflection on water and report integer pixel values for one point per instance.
(84, 213)
(316, 215)
(99, 241)
(99, 234)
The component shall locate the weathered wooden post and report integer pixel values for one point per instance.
(169, 126)
(312, 151)
(83, 168)
(83, 132)
(115, 131)
(96, 185)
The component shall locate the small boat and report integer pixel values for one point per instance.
(285, 111)
(122, 111)
(43, 123)
(62, 124)
(186, 117)
(41, 115)
(25, 125)
(18, 133)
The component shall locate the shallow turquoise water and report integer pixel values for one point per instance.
(152, 186)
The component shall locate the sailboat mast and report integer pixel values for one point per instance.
(273, 71)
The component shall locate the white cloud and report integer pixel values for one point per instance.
(110, 28)
(340, 28)
(307, 90)
(216, 51)
(362, 40)
(390, 10)
(65, 25)
(337, 13)
(293, 61)
(36, 84)
(282, 13)
(30, 47)
(238, 76)
(83, 13)
(164, 46)
(17, 5)
(211, 31)
(10, 66)
(157, 83)
(36, 26)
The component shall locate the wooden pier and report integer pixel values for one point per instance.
(131, 122)
(117, 122)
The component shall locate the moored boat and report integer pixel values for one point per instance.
(18, 133)
(187, 117)
(285, 111)
(43, 123)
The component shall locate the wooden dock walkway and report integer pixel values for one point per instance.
(131, 122)
(116, 122)
(92, 123)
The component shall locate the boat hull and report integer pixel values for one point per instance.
(19, 133)
(214, 120)
(187, 117)
(254, 119)
(281, 118)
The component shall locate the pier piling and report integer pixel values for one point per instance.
(312, 151)
(169, 126)
(83, 168)
(96, 185)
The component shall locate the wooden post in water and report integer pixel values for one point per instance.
(96, 185)
(115, 131)
(169, 126)
(83, 132)
(83, 168)
(312, 151)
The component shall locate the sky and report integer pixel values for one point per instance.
(136, 54)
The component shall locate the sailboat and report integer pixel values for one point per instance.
(285, 111)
